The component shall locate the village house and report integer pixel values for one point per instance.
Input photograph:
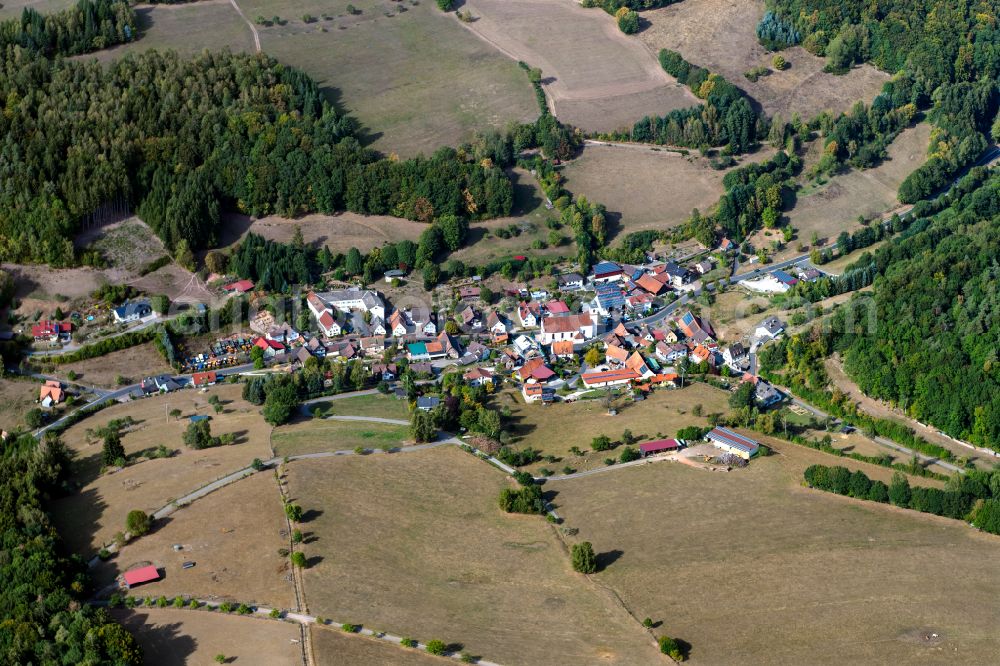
(51, 393)
(608, 378)
(479, 377)
(607, 271)
(570, 281)
(735, 356)
(556, 308)
(372, 346)
(422, 321)
(51, 331)
(637, 364)
(650, 284)
(577, 327)
(535, 392)
(283, 333)
(563, 349)
(329, 325)
(426, 403)
(497, 326)
(469, 292)
(397, 324)
(534, 369)
(346, 300)
(769, 329)
(529, 313)
(480, 351)
(201, 379)
(678, 276)
(693, 329)
(703, 266)
(394, 274)
(468, 317)
(387, 372)
(608, 299)
(376, 326)
(316, 347)
(270, 347)
(132, 311)
(616, 355)
(238, 287)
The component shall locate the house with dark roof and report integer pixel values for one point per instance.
(132, 311)
(770, 328)
(428, 402)
(608, 271)
(570, 281)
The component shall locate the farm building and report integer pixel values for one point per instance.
(608, 271)
(733, 442)
(660, 446)
(139, 576)
(609, 378)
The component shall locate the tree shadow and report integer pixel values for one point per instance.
(240, 436)
(606, 559)
(613, 224)
(168, 642)
(311, 515)
(526, 193)
(314, 560)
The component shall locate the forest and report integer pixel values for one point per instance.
(89, 26)
(42, 589)
(944, 54)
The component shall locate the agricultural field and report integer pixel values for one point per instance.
(595, 77)
(338, 232)
(89, 518)
(751, 567)
(834, 206)
(557, 427)
(412, 76)
(16, 398)
(315, 435)
(646, 188)
(432, 556)
(232, 535)
(171, 637)
(720, 35)
(331, 647)
(141, 361)
(187, 28)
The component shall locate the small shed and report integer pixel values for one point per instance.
(139, 576)
(659, 446)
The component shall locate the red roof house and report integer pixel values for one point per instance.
(557, 307)
(50, 330)
(140, 575)
(203, 378)
(238, 287)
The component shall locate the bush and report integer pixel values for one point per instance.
(437, 647)
(583, 558)
(243, 609)
(409, 642)
(178, 602)
(226, 607)
(137, 523)
(527, 499)
(628, 20)
(671, 648)
(445, 5)
(299, 560)
(629, 454)
(162, 602)
(351, 628)
(602, 443)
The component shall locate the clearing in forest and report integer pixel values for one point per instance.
(751, 567)
(338, 232)
(432, 556)
(596, 77)
(720, 35)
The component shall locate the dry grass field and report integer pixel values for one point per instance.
(432, 556)
(557, 427)
(312, 436)
(90, 518)
(233, 536)
(171, 637)
(835, 206)
(720, 35)
(141, 361)
(596, 77)
(750, 567)
(646, 188)
(13, 8)
(331, 647)
(338, 232)
(376, 404)
(16, 398)
(837, 266)
(413, 77)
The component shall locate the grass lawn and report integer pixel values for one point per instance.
(233, 536)
(432, 556)
(555, 428)
(379, 405)
(750, 567)
(171, 637)
(89, 518)
(321, 435)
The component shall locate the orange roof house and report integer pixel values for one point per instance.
(51, 393)
(650, 284)
(562, 348)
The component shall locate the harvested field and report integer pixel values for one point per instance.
(835, 206)
(338, 232)
(413, 77)
(432, 556)
(720, 35)
(596, 77)
(232, 535)
(90, 518)
(131, 364)
(311, 436)
(755, 568)
(331, 647)
(646, 188)
(16, 398)
(557, 427)
(171, 637)
(187, 28)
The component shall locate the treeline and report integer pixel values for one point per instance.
(612, 6)
(726, 117)
(968, 497)
(105, 346)
(946, 56)
(89, 26)
(42, 590)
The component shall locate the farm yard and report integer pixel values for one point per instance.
(555, 428)
(171, 637)
(753, 567)
(332, 648)
(232, 535)
(433, 557)
(409, 73)
(720, 35)
(834, 206)
(646, 188)
(596, 77)
(90, 517)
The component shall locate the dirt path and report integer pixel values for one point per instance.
(877, 408)
(253, 28)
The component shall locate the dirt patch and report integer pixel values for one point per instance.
(428, 559)
(171, 637)
(756, 568)
(596, 77)
(338, 232)
(720, 35)
(234, 548)
(647, 188)
(90, 518)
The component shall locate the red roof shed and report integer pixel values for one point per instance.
(659, 446)
(141, 575)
